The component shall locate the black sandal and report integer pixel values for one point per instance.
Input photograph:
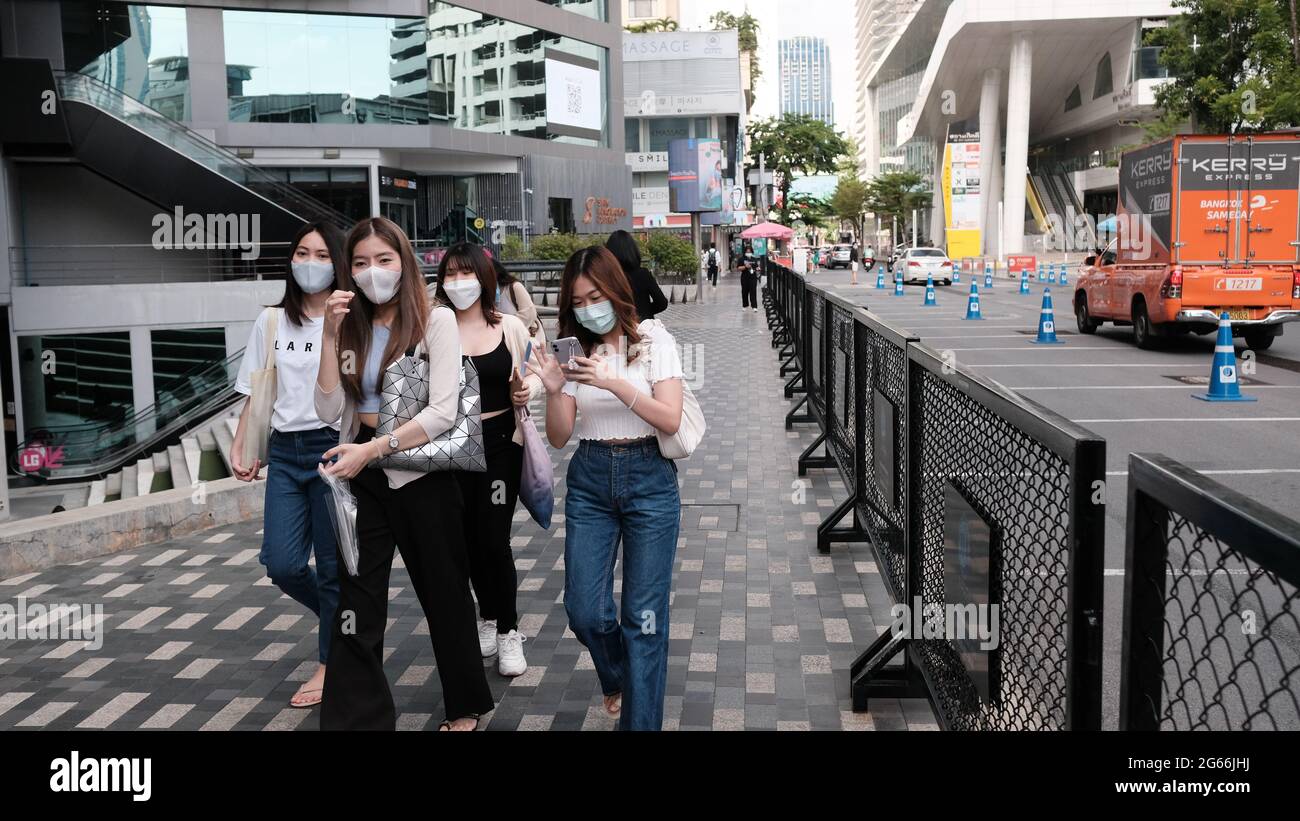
(445, 724)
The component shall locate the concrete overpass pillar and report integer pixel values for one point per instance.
(1020, 64)
(990, 158)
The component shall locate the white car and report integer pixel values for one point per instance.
(918, 264)
(839, 255)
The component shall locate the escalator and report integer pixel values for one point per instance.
(95, 448)
(1056, 195)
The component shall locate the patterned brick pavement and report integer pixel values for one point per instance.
(763, 628)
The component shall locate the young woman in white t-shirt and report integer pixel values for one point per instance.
(627, 387)
(295, 518)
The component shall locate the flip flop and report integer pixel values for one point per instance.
(617, 710)
(306, 704)
(445, 724)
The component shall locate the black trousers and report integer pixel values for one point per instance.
(423, 518)
(749, 290)
(490, 500)
(713, 276)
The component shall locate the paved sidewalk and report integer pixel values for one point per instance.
(763, 628)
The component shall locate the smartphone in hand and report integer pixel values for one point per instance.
(565, 350)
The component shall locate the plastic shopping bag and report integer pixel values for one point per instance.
(343, 515)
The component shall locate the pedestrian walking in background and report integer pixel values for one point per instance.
(615, 398)
(420, 513)
(646, 293)
(853, 264)
(295, 517)
(495, 342)
(749, 286)
(711, 264)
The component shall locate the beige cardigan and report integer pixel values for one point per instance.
(442, 342)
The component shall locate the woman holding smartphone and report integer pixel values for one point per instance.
(625, 387)
(422, 513)
(295, 519)
(496, 344)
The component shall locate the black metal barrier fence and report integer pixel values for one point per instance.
(1211, 606)
(915, 435)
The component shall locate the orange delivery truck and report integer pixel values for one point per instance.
(1206, 224)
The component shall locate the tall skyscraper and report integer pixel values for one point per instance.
(805, 65)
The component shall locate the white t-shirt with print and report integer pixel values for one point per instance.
(601, 414)
(297, 361)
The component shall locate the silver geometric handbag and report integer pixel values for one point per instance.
(406, 392)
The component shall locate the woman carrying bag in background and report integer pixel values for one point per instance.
(279, 425)
(624, 400)
(496, 343)
(419, 512)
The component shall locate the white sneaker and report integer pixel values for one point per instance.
(510, 655)
(487, 638)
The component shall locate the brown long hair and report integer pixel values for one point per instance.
(600, 266)
(468, 255)
(409, 324)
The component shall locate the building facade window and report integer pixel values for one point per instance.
(187, 365)
(345, 189)
(325, 68)
(490, 74)
(662, 130)
(631, 134)
(91, 385)
(595, 9)
(1074, 100)
(1105, 83)
(702, 127)
(142, 51)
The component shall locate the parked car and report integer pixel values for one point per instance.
(1209, 246)
(922, 263)
(840, 255)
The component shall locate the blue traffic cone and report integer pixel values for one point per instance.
(880, 278)
(929, 294)
(1047, 323)
(1224, 386)
(1061, 278)
(1042, 273)
(956, 273)
(898, 283)
(988, 275)
(1024, 281)
(973, 303)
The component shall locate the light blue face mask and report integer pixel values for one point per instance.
(597, 318)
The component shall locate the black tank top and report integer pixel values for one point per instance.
(494, 378)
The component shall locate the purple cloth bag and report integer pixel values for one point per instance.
(537, 479)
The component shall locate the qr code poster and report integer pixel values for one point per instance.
(573, 95)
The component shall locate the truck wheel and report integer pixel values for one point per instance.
(1087, 325)
(1260, 340)
(1144, 334)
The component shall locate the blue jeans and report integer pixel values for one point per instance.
(626, 492)
(295, 519)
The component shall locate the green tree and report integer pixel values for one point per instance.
(796, 144)
(896, 194)
(1232, 66)
(662, 24)
(746, 34)
(811, 210)
(849, 202)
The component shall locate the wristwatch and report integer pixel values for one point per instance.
(393, 444)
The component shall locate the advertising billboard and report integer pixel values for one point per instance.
(573, 95)
(961, 192)
(695, 175)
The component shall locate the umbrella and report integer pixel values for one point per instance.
(770, 230)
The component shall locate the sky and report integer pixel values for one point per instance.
(831, 20)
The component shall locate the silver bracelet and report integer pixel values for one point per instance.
(635, 395)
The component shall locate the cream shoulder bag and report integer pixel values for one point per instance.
(261, 403)
(690, 432)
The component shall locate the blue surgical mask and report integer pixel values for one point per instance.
(597, 318)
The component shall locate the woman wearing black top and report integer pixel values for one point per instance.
(646, 293)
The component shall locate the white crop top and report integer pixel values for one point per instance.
(601, 414)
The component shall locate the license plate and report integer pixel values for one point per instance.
(1238, 314)
(1239, 284)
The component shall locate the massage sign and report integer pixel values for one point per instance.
(599, 209)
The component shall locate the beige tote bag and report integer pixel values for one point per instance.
(261, 403)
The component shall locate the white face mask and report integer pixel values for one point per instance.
(312, 276)
(462, 292)
(379, 284)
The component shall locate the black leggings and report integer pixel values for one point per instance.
(423, 518)
(489, 511)
(749, 290)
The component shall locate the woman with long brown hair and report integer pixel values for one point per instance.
(420, 513)
(615, 398)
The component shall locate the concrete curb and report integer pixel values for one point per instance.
(29, 545)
